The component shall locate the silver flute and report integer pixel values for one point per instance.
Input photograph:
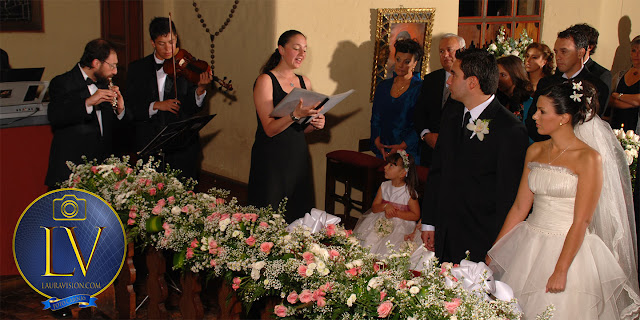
(114, 103)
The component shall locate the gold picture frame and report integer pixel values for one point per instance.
(416, 23)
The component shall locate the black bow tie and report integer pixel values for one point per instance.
(159, 66)
(89, 81)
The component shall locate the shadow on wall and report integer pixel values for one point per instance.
(622, 60)
(348, 62)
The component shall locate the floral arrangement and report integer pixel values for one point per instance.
(508, 46)
(322, 275)
(383, 227)
(630, 142)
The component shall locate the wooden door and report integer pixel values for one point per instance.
(121, 23)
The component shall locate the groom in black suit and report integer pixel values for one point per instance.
(151, 96)
(477, 164)
(81, 111)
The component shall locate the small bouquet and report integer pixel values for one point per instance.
(384, 227)
(508, 46)
(630, 142)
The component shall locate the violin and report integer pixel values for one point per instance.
(190, 68)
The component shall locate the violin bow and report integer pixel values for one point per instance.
(173, 58)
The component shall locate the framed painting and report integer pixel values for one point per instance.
(392, 25)
(21, 15)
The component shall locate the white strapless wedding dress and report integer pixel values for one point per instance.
(526, 257)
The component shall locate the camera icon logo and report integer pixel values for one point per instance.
(69, 208)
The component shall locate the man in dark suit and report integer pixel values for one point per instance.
(151, 96)
(82, 111)
(595, 68)
(434, 97)
(477, 164)
(570, 49)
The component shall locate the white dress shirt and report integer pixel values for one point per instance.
(93, 89)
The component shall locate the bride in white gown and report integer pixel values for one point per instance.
(576, 250)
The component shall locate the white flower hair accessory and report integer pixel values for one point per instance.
(405, 159)
(479, 128)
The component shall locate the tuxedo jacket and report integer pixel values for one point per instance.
(428, 110)
(142, 90)
(605, 75)
(585, 74)
(75, 132)
(472, 184)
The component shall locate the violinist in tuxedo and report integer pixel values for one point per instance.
(151, 94)
(83, 111)
(477, 163)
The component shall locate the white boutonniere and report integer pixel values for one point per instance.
(479, 128)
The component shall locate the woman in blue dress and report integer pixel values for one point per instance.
(394, 102)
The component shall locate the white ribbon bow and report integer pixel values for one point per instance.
(421, 259)
(477, 278)
(315, 221)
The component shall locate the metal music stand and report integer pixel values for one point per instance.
(175, 136)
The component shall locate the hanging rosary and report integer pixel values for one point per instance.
(214, 35)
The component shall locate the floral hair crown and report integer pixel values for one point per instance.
(578, 93)
(405, 159)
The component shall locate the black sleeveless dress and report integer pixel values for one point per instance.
(627, 116)
(280, 166)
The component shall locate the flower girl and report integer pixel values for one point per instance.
(395, 209)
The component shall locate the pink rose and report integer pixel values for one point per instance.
(321, 302)
(318, 294)
(308, 257)
(160, 185)
(236, 283)
(152, 191)
(384, 309)
(94, 169)
(213, 244)
(190, 192)
(292, 297)
(194, 243)
(116, 170)
(382, 295)
(280, 311)
(403, 284)
(264, 224)
(156, 210)
(302, 270)
(117, 185)
(220, 201)
(331, 230)
(237, 217)
(129, 170)
(147, 182)
(185, 209)
(213, 263)
(348, 232)
(162, 202)
(251, 216)
(251, 241)
(131, 222)
(189, 253)
(132, 214)
(305, 296)
(333, 253)
(171, 199)
(353, 271)
(224, 216)
(266, 247)
(452, 306)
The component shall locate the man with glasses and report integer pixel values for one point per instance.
(151, 96)
(435, 96)
(84, 111)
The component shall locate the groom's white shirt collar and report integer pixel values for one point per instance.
(477, 111)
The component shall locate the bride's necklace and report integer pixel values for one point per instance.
(565, 149)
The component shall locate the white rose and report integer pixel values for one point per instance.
(515, 53)
(493, 47)
(629, 156)
(255, 274)
(312, 266)
(176, 210)
(224, 223)
(324, 271)
(357, 263)
(414, 290)
(630, 134)
(309, 272)
(375, 282)
(321, 265)
(204, 247)
(349, 265)
(236, 234)
(258, 265)
(351, 300)
(412, 318)
(453, 318)
(410, 283)
(620, 134)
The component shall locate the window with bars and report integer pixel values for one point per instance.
(480, 20)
